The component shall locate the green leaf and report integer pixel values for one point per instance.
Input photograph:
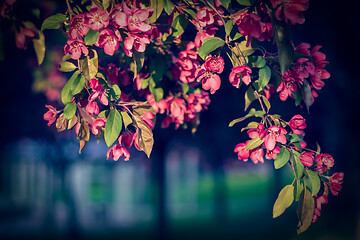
(282, 37)
(228, 26)
(90, 65)
(259, 113)
(66, 93)
(264, 76)
(209, 45)
(168, 6)
(158, 5)
(39, 46)
(157, 92)
(249, 97)
(312, 181)
(53, 22)
(267, 103)
(66, 67)
(253, 143)
(70, 110)
(307, 94)
(115, 91)
(78, 84)
(145, 136)
(91, 37)
(244, 2)
(251, 125)
(185, 88)
(106, 4)
(305, 211)
(298, 167)
(225, 3)
(298, 97)
(284, 200)
(139, 58)
(127, 120)
(298, 188)
(296, 138)
(179, 24)
(282, 158)
(113, 127)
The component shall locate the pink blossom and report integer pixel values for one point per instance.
(260, 131)
(203, 34)
(159, 107)
(324, 162)
(318, 76)
(248, 25)
(23, 37)
(291, 11)
(297, 124)
(138, 41)
(335, 183)
(78, 27)
(303, 48)
(92, 108)
(127, 139)
(257, 155)
(75, 47)
(206, 17)
(98, 92)
(136, 19)
(268, 90)
(242, 152)
(98, 125)
(238, 74)
(118, 151)
(50, 115)
(307, 158)
(271, 154)
(318, 58)
(274, 134)
(287, 86)
(303, 68)
(214, 64)
(109, 41)
(188, 58)
(177, 110)
(96, 19)
(318, 201)
(166, 122)
(147, 118)
(210, 81)
(198, 101)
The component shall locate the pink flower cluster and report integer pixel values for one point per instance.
(189, 63)
(291, 11)
(130, 19)
(271, 136)
(179, 110)
(208, 73)
(304, 69)
(251, 25)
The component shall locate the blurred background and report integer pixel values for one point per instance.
(193, 187)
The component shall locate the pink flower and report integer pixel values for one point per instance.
(138, 41)
(242, 152)
(207, 17)
(297, 123)
(126, 139)
(335, 183)
(257, 155)
(248, 25)
(109, 41)
(271, 154)
(260, 132)
(303, 68)
(214, 64)
(290, 10)
(210, 81)
(274, 134)
(318, 76)
(318, 201)
(92, 108)
(188, 58)
(307, 158)
(50, 115)
(136, 19)
(324, 162)
(118, 151)
(177, 109)
(147, 118)
(203, 34)
(98, 92)
(287, 86)
(240, 73)
(75, 47)
(268, 90)
(96, 19)
(98, 125)
(198, 101)
(159, 107)
(303, 48)
(78, 26)
(23, 37)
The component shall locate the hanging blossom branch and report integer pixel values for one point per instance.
(154, 73)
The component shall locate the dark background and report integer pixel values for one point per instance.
(333, 123)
